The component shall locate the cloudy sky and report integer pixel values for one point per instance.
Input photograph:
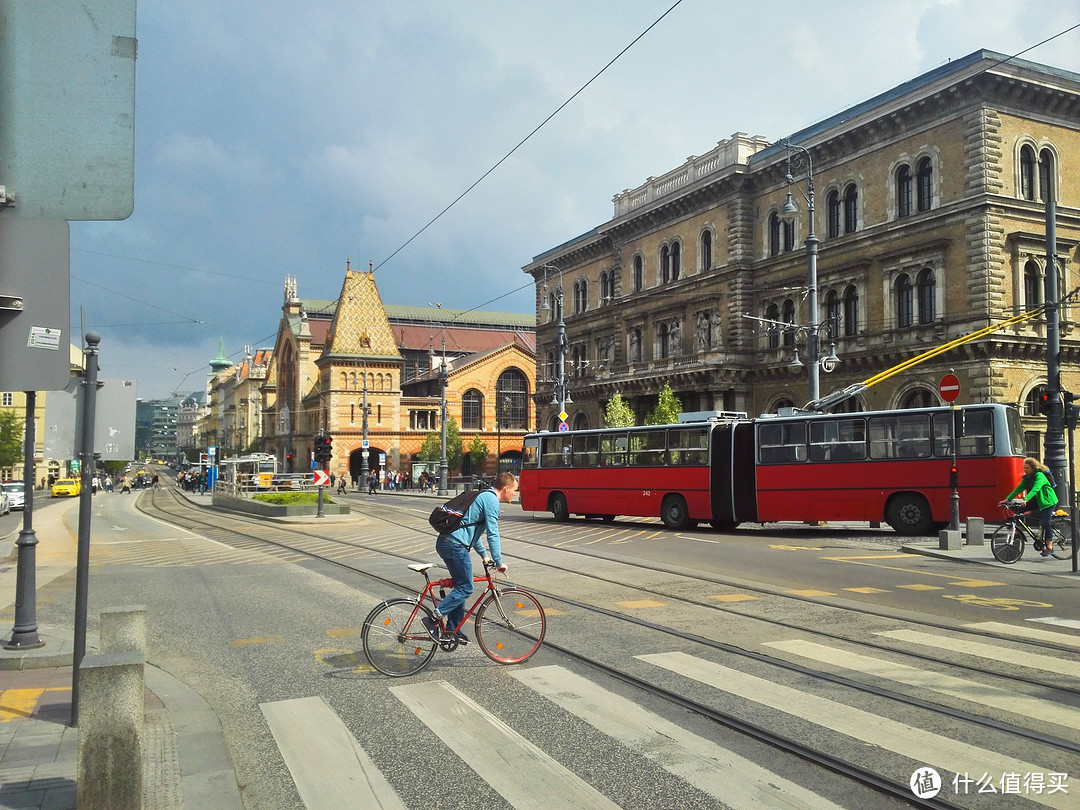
(280, 138)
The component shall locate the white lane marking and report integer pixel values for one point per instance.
(915, 743)
(726, 776)
(328, 766)
(1033, 633)
(990, 652)
(1049, 711)
(1073, 623)
(515, 768)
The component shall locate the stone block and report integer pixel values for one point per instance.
(123, 629)
(110, 759)
(976, 531)
(949, 540)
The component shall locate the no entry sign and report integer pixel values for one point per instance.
(949, 387)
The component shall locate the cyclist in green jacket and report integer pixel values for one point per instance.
(1040, 496)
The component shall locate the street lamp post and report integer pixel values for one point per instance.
(561, 398)
(798, 157)
(444, 468)
(364, 438)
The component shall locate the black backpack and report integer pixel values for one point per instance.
(448, 518)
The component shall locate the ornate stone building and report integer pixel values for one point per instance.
(332, 356)
(930, 213)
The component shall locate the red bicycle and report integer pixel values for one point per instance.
(510, 625)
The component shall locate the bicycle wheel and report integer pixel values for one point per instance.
(1007, 544)
(395, 642)
(1062, 547)
(510, 626)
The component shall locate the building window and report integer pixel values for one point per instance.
(1034, 400)
(676, 261)
(581, 296)
(925, 178)
(664, 340)
(581, 421)
(789, 320)
(851, 311)
(789, 235)
(605, 288)
(1046, 175)
(774, 234)
(772, 315)
(706, 251)
(903, 301)
(903, 191)
(1027, 173)
(927, 292)
(919, 398)
(665, 264)
(472, 410)
(512, 392)
(7, 399)
(851, 208)
(832, 312)
(832, 210)
(639, 274)
(1032, 284)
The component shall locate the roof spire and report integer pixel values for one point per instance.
(221, 362)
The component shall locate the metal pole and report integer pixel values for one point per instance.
(82, 567)
(812, 339)
(1055, 428)
(363, 434)
(24, 634)
(444, 467)
(954, 496)
(560, 349)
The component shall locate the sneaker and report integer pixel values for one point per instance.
(433, 627)
(462, 639)
(1046, 552)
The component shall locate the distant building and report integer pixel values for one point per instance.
(156, 428)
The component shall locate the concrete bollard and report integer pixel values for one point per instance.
(123, 629)
(111, 708)
(949, 540)
(976, 531)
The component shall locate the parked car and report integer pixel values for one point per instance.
(5, 504)
(16, 494)
(69, 487)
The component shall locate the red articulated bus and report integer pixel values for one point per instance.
(891, 466)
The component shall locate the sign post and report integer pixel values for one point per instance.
(949, 389)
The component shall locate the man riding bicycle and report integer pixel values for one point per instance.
(482, 516)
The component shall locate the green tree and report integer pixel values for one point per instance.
(478, 453)
(667, 408)
(431, 450)
(11, 440)
(618, 413)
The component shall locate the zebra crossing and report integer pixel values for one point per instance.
(330, 768)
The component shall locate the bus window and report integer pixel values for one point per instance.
(647, 448)
(688, 446)
(838, 440)
(900, 436)
(586, 447)
(781, 442)
(530, 452)
(555, 451)
(613, 450)
(977, 438)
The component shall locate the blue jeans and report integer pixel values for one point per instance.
(458, 560)
(1045, 520)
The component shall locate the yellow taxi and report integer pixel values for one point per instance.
(66, 487)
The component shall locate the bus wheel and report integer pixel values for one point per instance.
(909, 515)
(674, 513)
(724, 525)
(607, 518)
(559, 508)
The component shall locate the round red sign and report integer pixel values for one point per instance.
(949, 387)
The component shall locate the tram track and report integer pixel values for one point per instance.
(174, 508)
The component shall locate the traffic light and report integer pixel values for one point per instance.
(1045, 402)
(954, 477)
(1070, 409)
(328, 448)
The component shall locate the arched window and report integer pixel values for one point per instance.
(1034, 400)
(789, 318)
(706, 251)
(512, 394)
(639, 274)
(783, 402)
(605, 288)
(851, 208)
(552, 371)
(789, 235)
(832, 214)
(664, 340)
(832, 312)
(1046, 175)
(676, 261)
(774, 234)
(1032, 284)
(851, 311)
(581, 421)
(772, 313)
(903, 301)
(927, 289)
(903, 191)
(1027, 173)
(665, 264)
(581, 296)
(919, 398)
(472, 410)
(925, 176)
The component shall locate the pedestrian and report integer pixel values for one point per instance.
(341, 485)
(1038, 489)
(108, 483)
(373, 483)
(95, 484)
(333, 478)
(482, 517)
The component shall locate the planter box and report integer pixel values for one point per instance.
(250, 507)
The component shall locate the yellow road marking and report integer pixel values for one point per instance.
(636, 604)
(17, 703)
(866, 590)
(796, 548)
(976, 583)
(859, 560)
(812, 592)
(921, 587)
(733, 597)
(240, 642)
(342, 632)
(337, 657)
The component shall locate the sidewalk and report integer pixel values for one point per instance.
(186, 761)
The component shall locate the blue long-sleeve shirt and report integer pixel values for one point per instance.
(483, 515)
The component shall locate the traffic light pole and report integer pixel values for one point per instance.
(1054, 445)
